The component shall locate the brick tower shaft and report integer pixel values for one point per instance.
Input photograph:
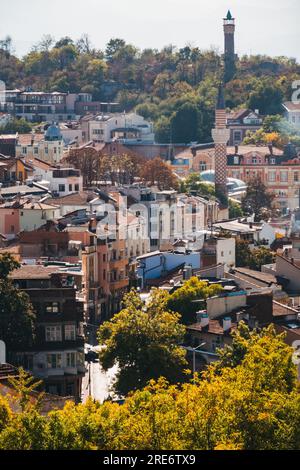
(221, 136)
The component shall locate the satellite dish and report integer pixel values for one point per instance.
(2, 352)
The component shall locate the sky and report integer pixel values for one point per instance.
(262, 26)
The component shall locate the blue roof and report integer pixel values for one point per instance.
(53, 133)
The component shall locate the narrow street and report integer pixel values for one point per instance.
(96, 382)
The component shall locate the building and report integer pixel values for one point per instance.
(57, 356)
(292, 112)
(122, 127)
(279, 170)
(218, 250)
(38, 106)
(221, 136)
(48, 147)
(241, 122)
(159, 264)
(229, 50)
(60, 181)
(24, 214)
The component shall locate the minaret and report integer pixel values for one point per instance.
(221, 136)
(229, 52)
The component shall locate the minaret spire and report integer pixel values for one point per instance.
(229, 50)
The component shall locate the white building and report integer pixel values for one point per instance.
(48, 147)
(292, 112)
(61, 181)
(125, 127)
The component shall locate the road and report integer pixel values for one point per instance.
(96, 382)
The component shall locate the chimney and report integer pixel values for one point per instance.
(271, 148)
(2, 352)
(226, 323)
(204, 320)
(236, 149)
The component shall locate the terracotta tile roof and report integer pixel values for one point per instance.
(25, 139)
(292, 106)
(36, 162)
(79, 198)
(248, 149)
(34, 272)
(215, 327)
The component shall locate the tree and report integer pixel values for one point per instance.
(267, 98)
(235, 209)
(144, 341)
(193, 183)
(247, 400)
(17, 328)
(260, 256)
(16, 125)
(158, 172)
(183, 299)
(112, 47)
(185, 124)
(257, 199)
(242, 253)
(162, 129)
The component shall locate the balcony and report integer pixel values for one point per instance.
(119, 284)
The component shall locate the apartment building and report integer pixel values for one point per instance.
(47, 147)
(39, 106)
(122, 127)
(57, 356)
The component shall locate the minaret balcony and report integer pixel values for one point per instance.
(221, 136)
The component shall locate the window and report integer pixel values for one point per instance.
(70, 332)
(53, 333)
(202, 166)
(71, 359)
(70, 187)
(237, 137)
(61, 188)
(296, 176)
(284, 176)
(54, 361)
(24, 150)
(52, 307)
(236, 160)
(54, 149)
(46, 150)
(272, 176)
(76, 187)
(36, 150)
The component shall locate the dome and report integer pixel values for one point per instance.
(233, 184)
(53, 133)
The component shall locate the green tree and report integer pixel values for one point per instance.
(16, 125)
(235, 210)
(260, 256)
(183, 299)
(193, 183)
(185, 124)
(162, 130)
(144, 341)
(257, 199)
(242, 253)
(267, 98)
(17, 320)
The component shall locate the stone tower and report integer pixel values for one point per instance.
(221, 136)
(229, 52)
